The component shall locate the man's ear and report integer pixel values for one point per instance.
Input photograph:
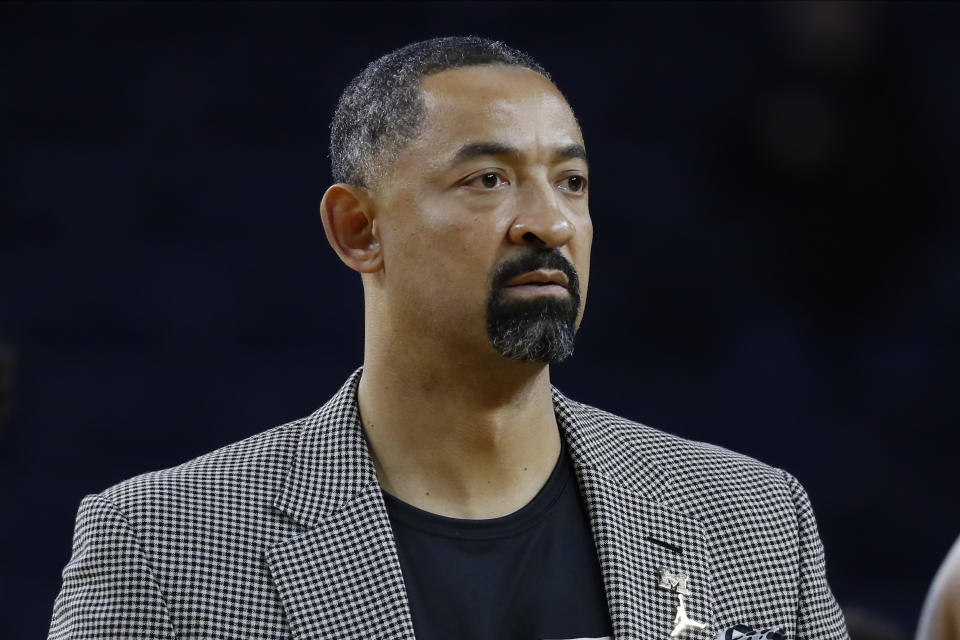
(348, 221)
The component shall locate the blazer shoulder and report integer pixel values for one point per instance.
(700, 476)
(253, 466)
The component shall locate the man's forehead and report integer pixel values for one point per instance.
(469, 102)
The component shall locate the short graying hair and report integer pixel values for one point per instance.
(382, 108)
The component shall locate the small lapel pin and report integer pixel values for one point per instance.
(682, 622)
(677, 583)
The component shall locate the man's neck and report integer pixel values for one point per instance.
(460, 441)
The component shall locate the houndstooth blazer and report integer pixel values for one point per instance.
(285, 535)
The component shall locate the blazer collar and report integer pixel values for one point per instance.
(331, 465)
(594, 445)
(342, 577)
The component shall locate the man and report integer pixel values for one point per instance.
(447, 491)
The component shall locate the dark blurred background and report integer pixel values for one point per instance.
(775, 267)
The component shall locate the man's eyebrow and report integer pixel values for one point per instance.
(571, 151)
(479, 149)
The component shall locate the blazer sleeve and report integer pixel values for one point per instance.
(818, 615)
(109, 590)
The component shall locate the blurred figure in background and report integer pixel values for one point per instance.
(831, 168)
(940, 619)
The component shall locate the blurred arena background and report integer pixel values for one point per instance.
(775, 269)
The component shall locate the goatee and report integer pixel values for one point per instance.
(533, 329)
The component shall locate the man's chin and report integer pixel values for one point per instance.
(536, 335)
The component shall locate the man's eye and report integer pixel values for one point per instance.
(490, 180)
(575, 184)
(487, 181)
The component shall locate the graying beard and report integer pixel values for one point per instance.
(544, 338)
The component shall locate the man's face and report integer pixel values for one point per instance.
(483, 218)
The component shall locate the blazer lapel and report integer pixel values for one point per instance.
(340, 578)
(636, 536)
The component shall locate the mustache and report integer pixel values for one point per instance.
(532, 261)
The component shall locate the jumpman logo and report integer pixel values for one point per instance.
(682, 622)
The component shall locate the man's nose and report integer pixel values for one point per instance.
(541, 221)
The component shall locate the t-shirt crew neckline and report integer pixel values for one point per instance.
(492, 528)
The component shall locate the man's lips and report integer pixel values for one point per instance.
(539, 281)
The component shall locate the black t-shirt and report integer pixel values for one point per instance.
(530, 575)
